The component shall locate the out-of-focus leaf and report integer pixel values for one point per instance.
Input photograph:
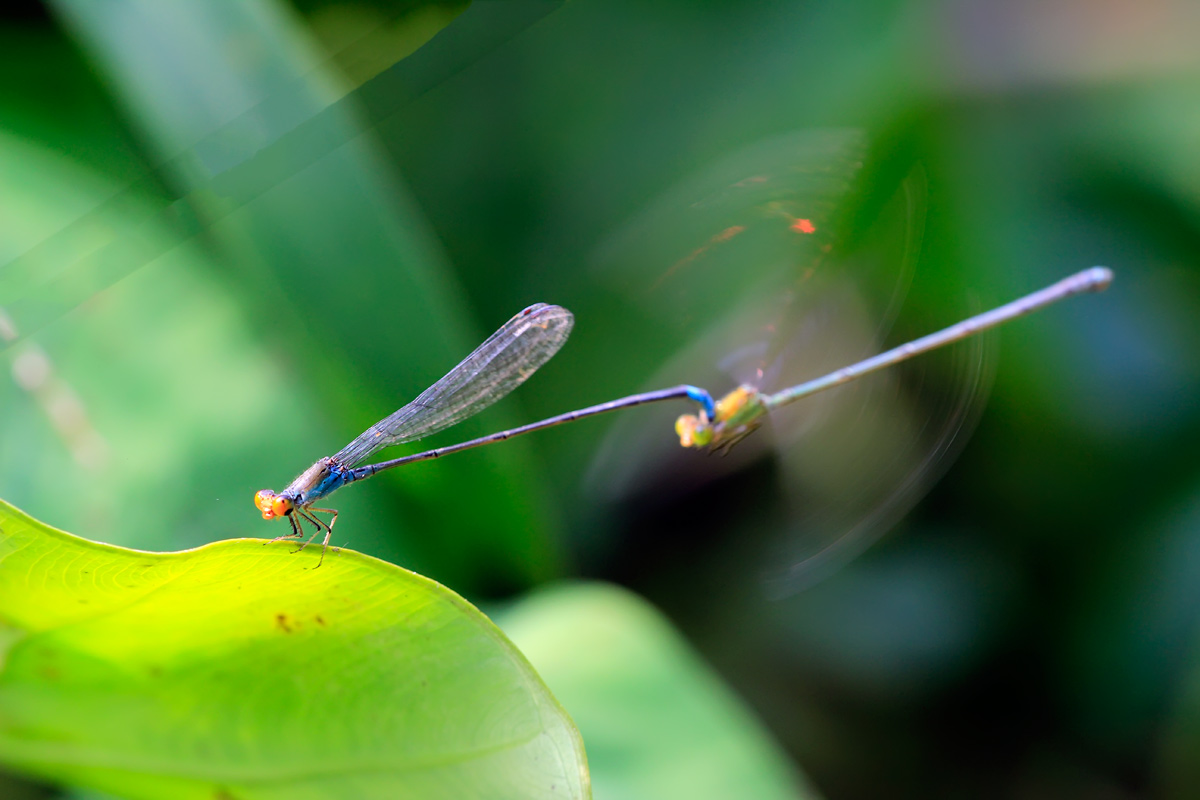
(239, 670)
(1133, 633)
(327, 249)
(153, 407)
(658, 722)
(364, 40)
(1178, 772)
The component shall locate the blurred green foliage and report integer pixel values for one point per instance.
(659, 723)
(231, 237)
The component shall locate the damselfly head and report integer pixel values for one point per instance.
(693, 430)
(737, 415)
(272, 505)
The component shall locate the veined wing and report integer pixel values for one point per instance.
(499, 365)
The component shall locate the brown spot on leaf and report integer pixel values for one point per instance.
(320, 620)
(282, 621)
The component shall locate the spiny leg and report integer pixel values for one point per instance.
(328, 529)
(321, 525)
(295, 534)
(299, 514)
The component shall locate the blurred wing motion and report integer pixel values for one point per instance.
(786, 265)
(499, 365)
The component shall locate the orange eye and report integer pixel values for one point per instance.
(280, 506)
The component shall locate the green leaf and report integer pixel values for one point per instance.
(658, 721)
(240, 670)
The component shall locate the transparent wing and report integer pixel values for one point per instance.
(788, 261)
(495, 368)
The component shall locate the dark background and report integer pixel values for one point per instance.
(233, 237)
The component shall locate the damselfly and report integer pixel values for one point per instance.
(528, 340)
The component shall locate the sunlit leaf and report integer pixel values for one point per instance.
(241, 670)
